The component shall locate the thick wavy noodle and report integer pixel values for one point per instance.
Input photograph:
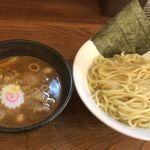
(121, 87)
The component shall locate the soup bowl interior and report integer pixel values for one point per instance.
(50, 56)
(82, 63)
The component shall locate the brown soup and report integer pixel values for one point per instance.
(30, 90)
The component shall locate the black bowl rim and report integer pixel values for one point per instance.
(49, 119)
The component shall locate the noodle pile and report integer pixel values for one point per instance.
(121, 87)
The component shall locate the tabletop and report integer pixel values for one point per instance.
(64, 25)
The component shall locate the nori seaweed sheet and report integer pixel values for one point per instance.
(128, 31)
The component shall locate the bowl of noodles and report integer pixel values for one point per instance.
(116, 90)
(35, 85)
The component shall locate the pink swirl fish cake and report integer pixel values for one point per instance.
(12, 96)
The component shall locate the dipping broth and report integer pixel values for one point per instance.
(30, 90)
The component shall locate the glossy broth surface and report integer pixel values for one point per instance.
(30, 90)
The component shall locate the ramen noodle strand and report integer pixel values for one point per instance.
(121, 87)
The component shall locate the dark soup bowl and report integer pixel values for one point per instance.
(22, 50)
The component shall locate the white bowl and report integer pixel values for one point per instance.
(82, 62)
